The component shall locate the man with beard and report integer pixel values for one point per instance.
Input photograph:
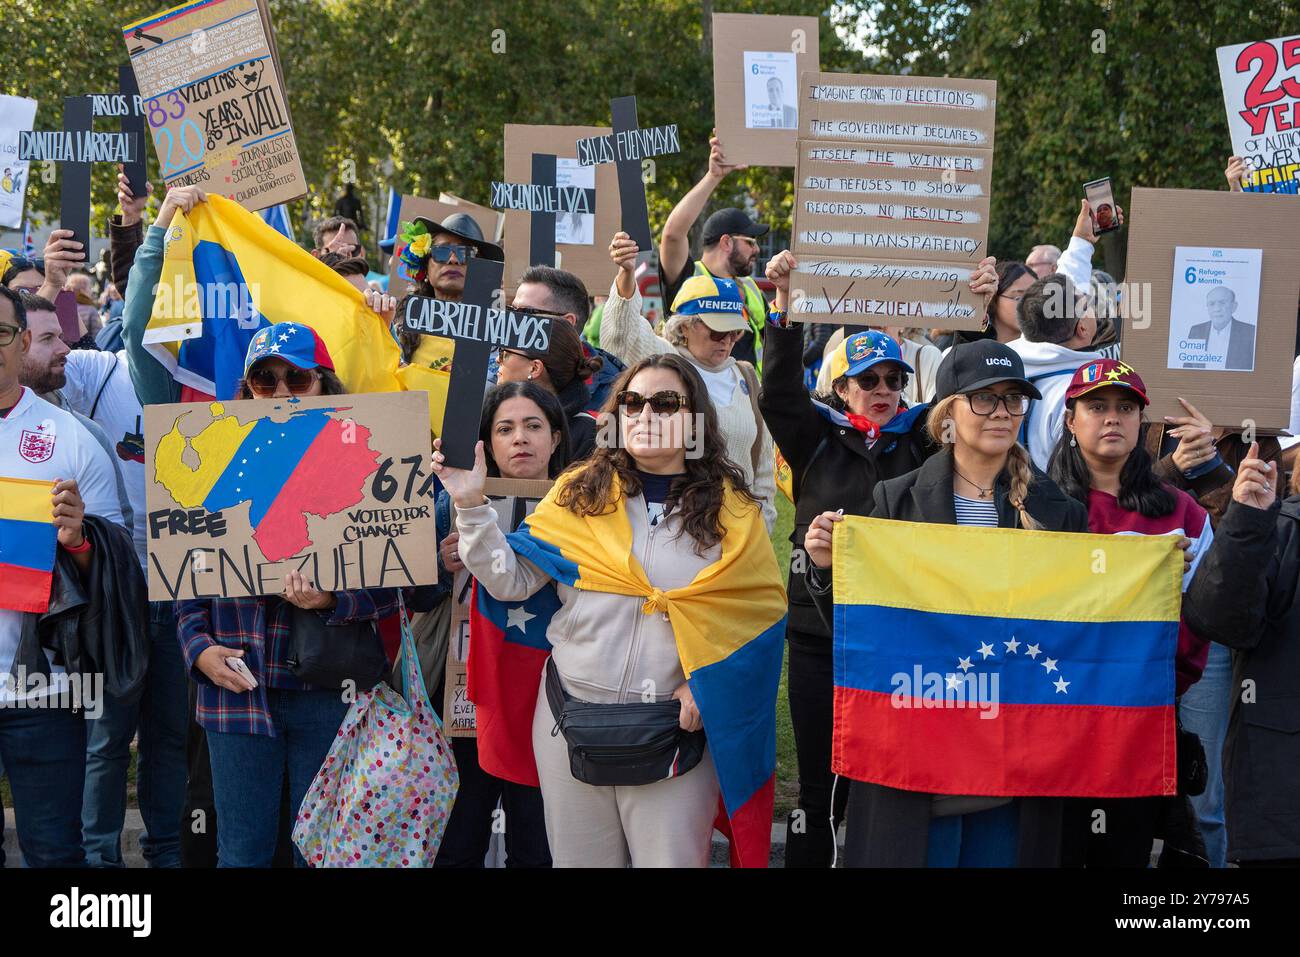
(96, 388)
(729, 251)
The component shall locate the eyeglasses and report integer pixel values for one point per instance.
(502, 352)
(986, 403)
(8, 334)
(443, 253)
(894, 381)
(724, 336)
(661, 403)
(263, 383)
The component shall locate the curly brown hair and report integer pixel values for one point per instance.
(697, 496)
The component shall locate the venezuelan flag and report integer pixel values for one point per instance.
(729, 624)
(28, 540)
(284, 470)
(226, 274)
(1005, 662)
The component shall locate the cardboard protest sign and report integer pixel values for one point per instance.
(581, 239)
(483, 215)
(757, 62)
(890, 217)
(631, 150)
(17, 113)
(1174, 237)
(513, 500)
(477, 324)
(335, 487)
(1261, 92)
(75, 148)
(399, 277)
(215, 103)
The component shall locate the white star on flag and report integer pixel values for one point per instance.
(1061, 685)
(985, 649)
(293, 330)
(283, 337)
(964, 664)
(879, 350)
(1032, 651)
(275, 347)
(518, 617)
(1012, 645)
(1049, 664)
(954, 682)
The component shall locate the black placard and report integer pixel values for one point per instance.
(541, 232)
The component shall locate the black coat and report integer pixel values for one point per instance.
(830, 464)
(1244, 595)
(575, 399)
(892, 825)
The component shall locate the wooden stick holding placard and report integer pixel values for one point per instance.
(541, 225)
(477, 325)
(74, 148)
(627, 148)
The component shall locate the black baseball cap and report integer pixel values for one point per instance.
(730, 222)
(974, 365)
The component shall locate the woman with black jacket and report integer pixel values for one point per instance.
(982, 477)
(838, 446)
(1245, 596)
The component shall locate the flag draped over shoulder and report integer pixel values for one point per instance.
(1005, 662)
(28, 540)
(226, 274)
(729, 624)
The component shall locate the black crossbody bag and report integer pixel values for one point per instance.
(622, 744)
(327, 656)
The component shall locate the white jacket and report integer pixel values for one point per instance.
(1049, 367)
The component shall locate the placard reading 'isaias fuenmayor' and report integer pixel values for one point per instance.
(336, 487)
(892, 199)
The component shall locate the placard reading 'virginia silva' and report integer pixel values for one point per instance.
(892, 199)
(336, 487)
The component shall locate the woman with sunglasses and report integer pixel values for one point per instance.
(707, 320)
(562, 370)
(668, 485)
(524, 435)
(1000, 323)
(262, 723)
(1101, 462)
(982, 477)
(838, 445)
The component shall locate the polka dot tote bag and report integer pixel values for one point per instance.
(385, 791)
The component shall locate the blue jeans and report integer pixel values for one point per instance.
(983, 839)
(160, 715)
(248, 772)
(44, 754)
(1204, 712)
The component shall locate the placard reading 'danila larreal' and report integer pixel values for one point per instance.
(336, 487)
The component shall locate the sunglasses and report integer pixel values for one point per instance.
(661, 403)
(894, 381)
(543, 313)
(724, 336)
(263, 383)
(501, 352)
(8, 334)
(442, 254)
(986, 403)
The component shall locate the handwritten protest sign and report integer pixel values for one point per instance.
(1261, 91)
(215, 103)
(17, 113)
(513, 500)
(892, 199)
(336, 487)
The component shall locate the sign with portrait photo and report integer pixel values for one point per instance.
(1214, 308)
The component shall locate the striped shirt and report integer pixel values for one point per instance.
(975, 511)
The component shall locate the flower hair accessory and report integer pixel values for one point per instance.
(417, 241)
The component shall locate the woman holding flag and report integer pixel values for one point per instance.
(524, 436)
(982, 477)
(668, 622)
(838, 445)
(1102, 462)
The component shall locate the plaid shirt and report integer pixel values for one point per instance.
(259, 626)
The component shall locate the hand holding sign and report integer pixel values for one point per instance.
(465, 486)
(1256, 484)
(719, 168)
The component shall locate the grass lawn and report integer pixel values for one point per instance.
(787, 775)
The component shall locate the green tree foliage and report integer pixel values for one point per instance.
(416, 95)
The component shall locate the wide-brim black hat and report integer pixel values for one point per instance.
(462, 226)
